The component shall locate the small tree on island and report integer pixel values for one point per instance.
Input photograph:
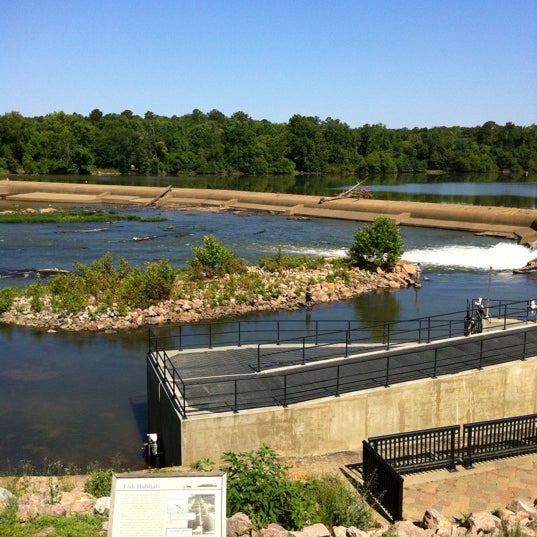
(377, 245)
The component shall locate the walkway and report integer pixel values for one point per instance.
(485, 487)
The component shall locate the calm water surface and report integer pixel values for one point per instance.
(80, 398)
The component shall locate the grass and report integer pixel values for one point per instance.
(72, 217)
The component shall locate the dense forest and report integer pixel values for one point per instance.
(212, 143)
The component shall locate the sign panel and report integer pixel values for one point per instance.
(168, 505)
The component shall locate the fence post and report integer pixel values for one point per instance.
(435, 362)
(347, 338)
(303, 350)
(235, 402)
(387, 336)
(259, 357)
(480, 354)
(524, 347)
(387, 383)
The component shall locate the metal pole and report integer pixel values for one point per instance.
(235, 409)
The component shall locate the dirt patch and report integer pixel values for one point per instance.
(321, 465)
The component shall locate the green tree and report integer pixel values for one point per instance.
(377, 245)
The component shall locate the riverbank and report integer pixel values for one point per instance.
(324, 285)
(512, 223)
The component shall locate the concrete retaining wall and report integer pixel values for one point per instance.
(340, 424)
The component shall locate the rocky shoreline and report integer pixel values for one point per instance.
(329, 288)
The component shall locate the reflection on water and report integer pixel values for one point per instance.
(493, 190)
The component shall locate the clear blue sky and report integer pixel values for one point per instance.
(404, 63)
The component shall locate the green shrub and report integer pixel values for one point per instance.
(339, 504)
(258, 485)
(7, 297)
(99, 483)
(213, 259)
(279, 262)
(377, 245)
(68, 293)
(142, 288)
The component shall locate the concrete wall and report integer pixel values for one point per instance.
(340, 424)
(163, 420)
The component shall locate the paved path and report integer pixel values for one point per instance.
(485, 487)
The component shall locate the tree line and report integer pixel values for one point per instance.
(212, 143)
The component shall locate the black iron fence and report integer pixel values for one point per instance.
(503, 437)
(295, 342)
(383, 482)
(170, 378)
(386, 457)
(225, 392)
(417, 450)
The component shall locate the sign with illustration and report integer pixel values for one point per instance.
(168, 505)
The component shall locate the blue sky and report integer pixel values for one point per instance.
(407, 63)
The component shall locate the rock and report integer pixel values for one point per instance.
(433, 520)
(274, 530)
(339, 531)
(102, 506)
(518, 505)
(355, 532)
(409, 529)
(239, 524)
(316, 530)
(77, 503)
(30, 506)
(5, 498)
(482, 522)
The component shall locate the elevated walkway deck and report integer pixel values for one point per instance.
(232, 378)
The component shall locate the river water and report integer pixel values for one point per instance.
(80, 397)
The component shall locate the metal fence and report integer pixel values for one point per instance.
(224, 392)
(426, 449)
(491, 439)
(386, 457)
(383, 482)
(297, 342)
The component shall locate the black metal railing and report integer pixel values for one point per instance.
(169, 377)
(383, 482)
(498, 438)
(304, 342)
(219, 393)
(426, 449)
(386, 457)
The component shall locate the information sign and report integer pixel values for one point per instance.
(168, 505)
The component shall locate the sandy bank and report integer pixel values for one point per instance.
(512, 223)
